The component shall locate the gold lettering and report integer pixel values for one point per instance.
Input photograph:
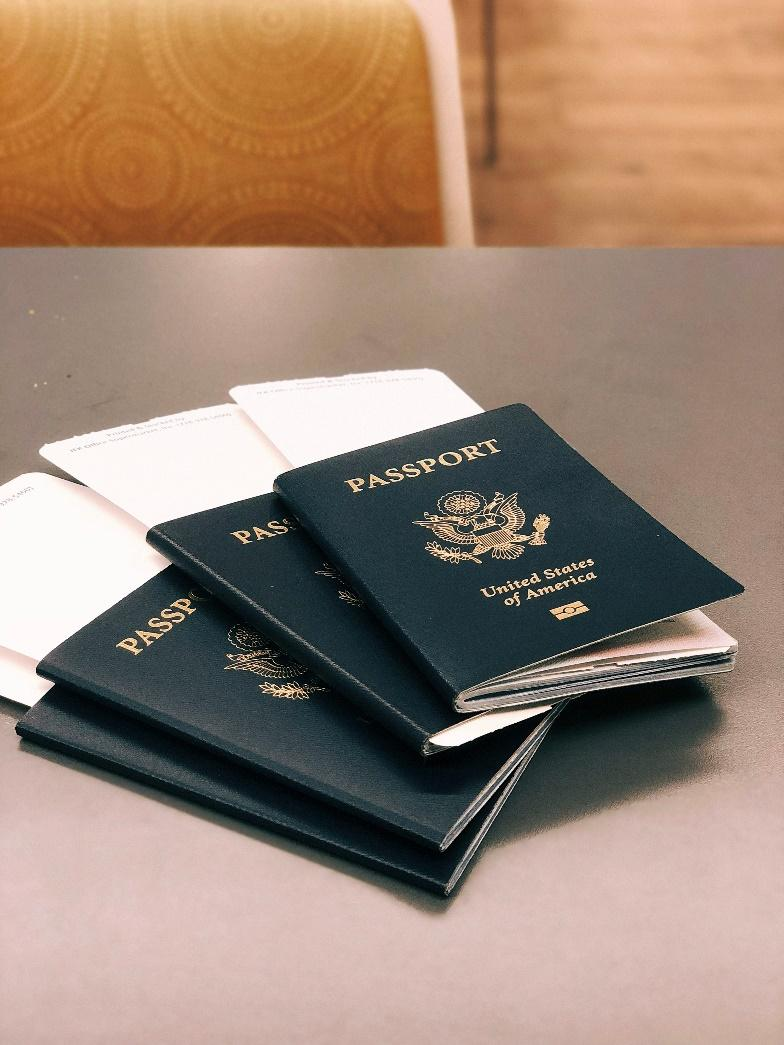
(424, 466)
(471, 452)
(456, 458)
(279, 527)
(174, 613)
(148, 637)
(273, 528)
(131, 645)
(163, 625)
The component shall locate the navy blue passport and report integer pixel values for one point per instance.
(255, 558)
(507, 567)
(171, 655)
(84, 729)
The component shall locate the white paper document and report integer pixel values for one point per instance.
(167, 467)
(314, 418)
(18, 680)
(188, 462)
(57, 537)
(175, 465)
(66, 555)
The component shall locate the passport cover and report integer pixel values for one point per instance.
(83, 728)
(489, 544)
(255, 558)
(170, 654)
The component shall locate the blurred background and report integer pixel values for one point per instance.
(622, 122)
(391, 122)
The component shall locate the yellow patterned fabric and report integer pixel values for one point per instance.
(303, 122)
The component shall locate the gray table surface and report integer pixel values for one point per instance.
(632, 889)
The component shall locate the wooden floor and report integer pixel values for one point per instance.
(626, 122)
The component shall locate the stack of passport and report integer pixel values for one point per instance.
(366, 658)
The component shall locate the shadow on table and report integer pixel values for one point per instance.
(603, 750)
(607, 748)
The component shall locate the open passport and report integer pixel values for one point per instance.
(95, 733)
(377, 575)
(510, 569)
(171, 655)
(255, 558)
(198, 469)
(211, 711)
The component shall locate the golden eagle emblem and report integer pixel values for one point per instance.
(473, 526)
(344, 592)
(261, 657)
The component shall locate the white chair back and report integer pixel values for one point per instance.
(436, 18)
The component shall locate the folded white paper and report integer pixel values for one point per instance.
(175, 465)
(188, 462)
(66, 555)
(56, 536)
(313, 418)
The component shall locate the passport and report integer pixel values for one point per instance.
(171, 655)
(508, 567)
(84, 729)
(260, 563)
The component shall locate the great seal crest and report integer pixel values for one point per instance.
(261, 657)
(473, 526)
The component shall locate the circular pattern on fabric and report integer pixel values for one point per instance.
(52, 57)
(30, 218)
(275, 79)
(396, 166)
(130, 158)
(278, 214)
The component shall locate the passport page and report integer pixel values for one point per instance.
(173, 465)
(312, 418)
(66, 555)
(18, 679)
(183, 463)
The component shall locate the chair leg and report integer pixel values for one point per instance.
(491, 82)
